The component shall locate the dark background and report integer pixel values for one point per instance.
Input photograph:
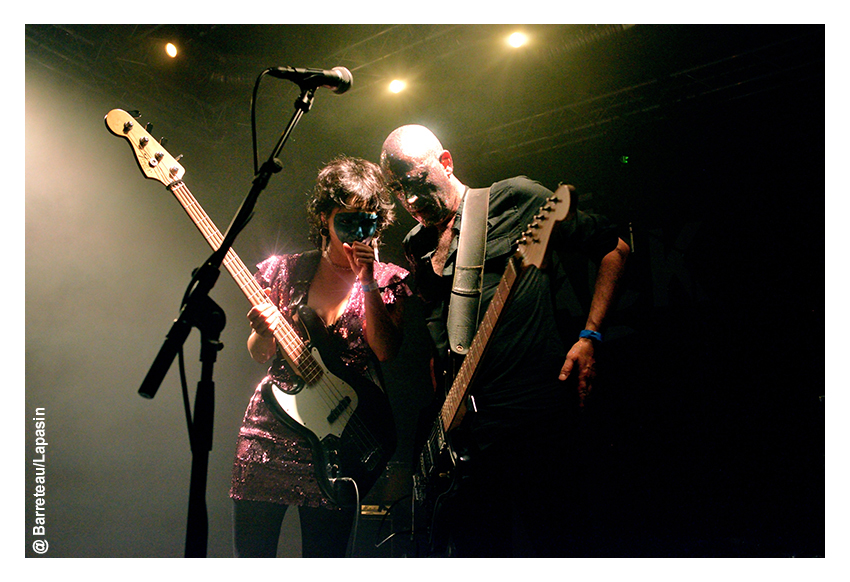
(705, 436)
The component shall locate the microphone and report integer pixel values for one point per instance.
(339, 78)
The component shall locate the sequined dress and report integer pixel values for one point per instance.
(272, 462)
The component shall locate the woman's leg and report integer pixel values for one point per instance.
(325, 532)
(256, 528)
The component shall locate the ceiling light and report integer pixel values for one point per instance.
(397, 86)
(171, 50)
(517, 39)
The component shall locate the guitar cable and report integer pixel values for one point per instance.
(389, 512)
(187, 407)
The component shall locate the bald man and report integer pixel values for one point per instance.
(521, 437)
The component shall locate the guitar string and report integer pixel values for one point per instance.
(442, 425)
(290, 342)
(306, 365)
(237, 269)
(470, 364)
(309, 365)
(247, 284)
(285, 335)
(476, 349)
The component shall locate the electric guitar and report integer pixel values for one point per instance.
(439, 468)
(346, 418)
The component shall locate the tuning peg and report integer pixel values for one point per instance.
(175, 169)
(163, 141)
(148, 127)
(135, 113)
(528, 237)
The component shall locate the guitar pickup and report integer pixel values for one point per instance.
(339, 409)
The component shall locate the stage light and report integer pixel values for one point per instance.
(517, 39)
(171, 50)
(397, 86)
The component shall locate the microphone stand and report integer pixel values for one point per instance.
(200, 311)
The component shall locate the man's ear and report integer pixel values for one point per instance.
(446, 160)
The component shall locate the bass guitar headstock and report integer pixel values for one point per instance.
(154, 161)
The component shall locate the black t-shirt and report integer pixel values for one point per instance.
(517, 387)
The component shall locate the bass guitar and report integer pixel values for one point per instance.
(439, 467)
(346, 418)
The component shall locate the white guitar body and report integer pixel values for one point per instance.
(313, 405)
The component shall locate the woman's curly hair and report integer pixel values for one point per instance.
(349, 183)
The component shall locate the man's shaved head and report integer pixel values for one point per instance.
(409, 145)
(420, 172)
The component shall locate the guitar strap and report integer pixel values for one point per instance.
(300, 279)
(468, 279)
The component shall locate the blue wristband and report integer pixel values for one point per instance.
(369, 286)
(589, 333)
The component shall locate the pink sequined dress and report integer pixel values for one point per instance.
(274, 464)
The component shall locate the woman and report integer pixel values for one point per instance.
(360, 302)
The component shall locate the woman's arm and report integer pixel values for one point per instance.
(383, 325)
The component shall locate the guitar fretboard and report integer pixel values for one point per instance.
(452, 413)
(293, 347)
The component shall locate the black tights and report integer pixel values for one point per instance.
(256, 529)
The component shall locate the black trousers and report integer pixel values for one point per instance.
(256, 530)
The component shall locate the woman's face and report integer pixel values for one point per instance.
(350, 225)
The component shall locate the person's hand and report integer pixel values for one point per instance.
(361, 257)
(581, 364)
(264, 318)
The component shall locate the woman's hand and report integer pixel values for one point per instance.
(264, 319)
(361, 257)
